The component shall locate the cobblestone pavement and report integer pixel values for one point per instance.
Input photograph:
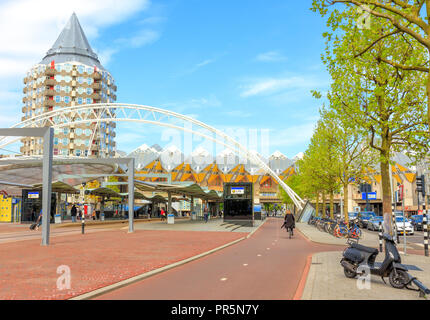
(29, 270)
(326, 280)
(216, 224)
(266, 266)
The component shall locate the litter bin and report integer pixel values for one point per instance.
(58, 218)
(170, 219)
(102, 216)
(193, 216)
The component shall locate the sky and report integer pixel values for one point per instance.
(241, 66)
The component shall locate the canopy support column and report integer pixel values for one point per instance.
(48, 139)
(169, 204)
(131, 195)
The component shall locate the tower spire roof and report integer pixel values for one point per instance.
(72, 45)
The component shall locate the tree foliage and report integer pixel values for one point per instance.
(382, 102)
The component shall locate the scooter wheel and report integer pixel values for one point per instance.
(399, 279)
(349, 273)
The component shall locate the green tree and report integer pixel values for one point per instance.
(295, 183)
(407, 21)
(385, 102)
(355, 155)
(319, 164)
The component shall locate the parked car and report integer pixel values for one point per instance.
(363, 217)
(373, 223)
(352, 215)
(404, 226)
(400, 214)
(417, 222)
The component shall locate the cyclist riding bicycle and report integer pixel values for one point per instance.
(289, 222)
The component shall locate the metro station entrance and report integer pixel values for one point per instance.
(32, 204)
(238, 203)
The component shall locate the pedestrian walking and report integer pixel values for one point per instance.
(73, 213)
(94, 214)
(98, 209)
(33, 213)
(163, 215)
(39, 220)
(79, 212)
(206, 213)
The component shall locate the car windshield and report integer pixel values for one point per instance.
(417, 218)
(400, 219)
(378, 218)
(367, 215)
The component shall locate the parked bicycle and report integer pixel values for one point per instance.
(338, 228)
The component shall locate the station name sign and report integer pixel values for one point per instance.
(33, 195)
(237, 190)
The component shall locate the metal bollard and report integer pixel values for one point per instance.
(396, 234)
(426, 234)
(83, 224)
(380, 236)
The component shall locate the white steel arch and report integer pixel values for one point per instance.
(117, 112)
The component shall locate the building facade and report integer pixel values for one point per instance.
(70, 75)
(212, 171)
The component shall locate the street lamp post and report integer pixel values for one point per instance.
(83, 213)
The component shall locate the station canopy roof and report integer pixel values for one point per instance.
(157, 198)
(59, 186)
(106, 192)
(191, 190)
(137, 195)
(26, 172)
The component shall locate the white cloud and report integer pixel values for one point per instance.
(196, 67)
(194, 103)
(139, 39)
(105, 55)
(205, 62)
(237, 113)
(292, 136)
(267, 86)
(30, 28)
(271, 56)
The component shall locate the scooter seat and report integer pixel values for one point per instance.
(364, 248)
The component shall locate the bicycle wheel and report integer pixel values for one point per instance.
(336, 232)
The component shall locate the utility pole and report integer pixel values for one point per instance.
(341, 204)
(402, 198)
(421, 190)
(393, 216)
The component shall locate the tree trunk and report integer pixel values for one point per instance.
(323, 204)
(386, 196)
(345, 203)
(428, 89)
(317, 204)
(332, 205)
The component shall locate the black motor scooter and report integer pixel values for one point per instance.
(357, 255)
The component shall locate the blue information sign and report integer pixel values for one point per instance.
(370, 195)
(257, 207)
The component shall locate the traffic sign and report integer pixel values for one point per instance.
(401, 192)
(370, 196)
